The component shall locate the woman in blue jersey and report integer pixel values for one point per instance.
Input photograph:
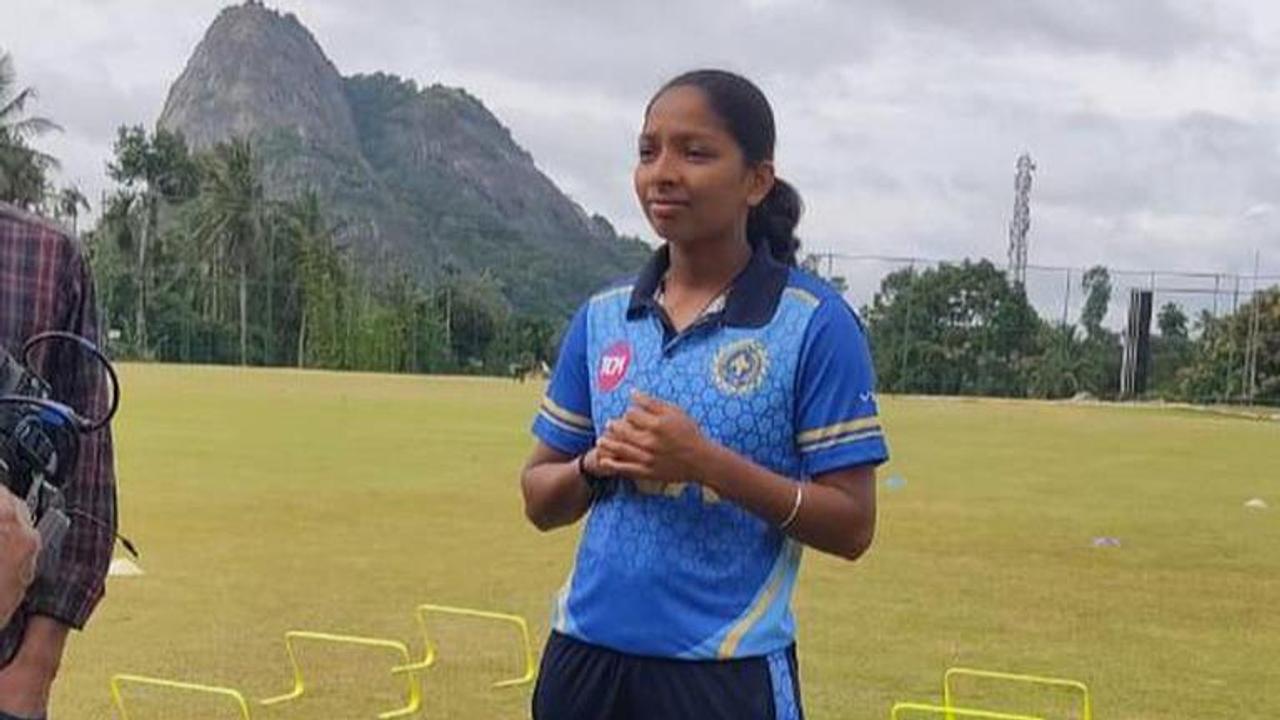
(709, 418)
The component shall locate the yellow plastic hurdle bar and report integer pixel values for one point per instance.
(953, 712)
(413, 692)
(1086, 703)
(430, 652)
(117, 681)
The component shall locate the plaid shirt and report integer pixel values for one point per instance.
(45, 284)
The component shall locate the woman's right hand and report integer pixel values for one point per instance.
(555, 493)
(594, 460)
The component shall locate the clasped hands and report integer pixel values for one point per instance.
(653, 442)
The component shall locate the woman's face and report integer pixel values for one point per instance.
(691, 178)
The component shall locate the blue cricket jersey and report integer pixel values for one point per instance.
(781, 375)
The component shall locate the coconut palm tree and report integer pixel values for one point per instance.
(320, 275)
(154, 170)
(70, 201)
(232, 216)
(22, 168)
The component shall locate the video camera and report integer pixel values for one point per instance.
(40, 441)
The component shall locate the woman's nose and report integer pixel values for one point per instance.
(664, 170)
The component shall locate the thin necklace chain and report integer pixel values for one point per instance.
(662, 296)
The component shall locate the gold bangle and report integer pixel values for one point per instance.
(795, 509)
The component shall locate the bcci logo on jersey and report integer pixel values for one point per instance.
(740, 367)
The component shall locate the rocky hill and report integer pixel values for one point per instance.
(423, 178)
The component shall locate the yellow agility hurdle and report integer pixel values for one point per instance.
(1086, 704)
(117, 681)
(951, 713)
(430, 652)
(413, 693)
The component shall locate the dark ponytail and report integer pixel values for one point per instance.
(774, 221)
(749, 119)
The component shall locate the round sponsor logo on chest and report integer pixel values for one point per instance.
(614, 364)
(740, 367)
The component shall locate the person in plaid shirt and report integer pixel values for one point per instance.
(45, 284)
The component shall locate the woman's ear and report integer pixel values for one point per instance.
(760, 181)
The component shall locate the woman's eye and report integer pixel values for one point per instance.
(697, 153)
(646, 153)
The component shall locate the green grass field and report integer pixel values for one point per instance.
(264, 501)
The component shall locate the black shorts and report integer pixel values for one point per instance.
(579, 681)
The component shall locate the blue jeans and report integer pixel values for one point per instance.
(6, 716)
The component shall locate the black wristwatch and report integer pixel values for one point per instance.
(595, 483)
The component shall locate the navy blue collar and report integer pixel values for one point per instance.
(753, 295)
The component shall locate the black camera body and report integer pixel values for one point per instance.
(39, 445)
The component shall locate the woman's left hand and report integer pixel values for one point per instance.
(654, 441)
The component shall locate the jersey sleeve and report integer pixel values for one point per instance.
(837, 420)
(564, 418)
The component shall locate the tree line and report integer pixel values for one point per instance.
(195, 262)
(967, 329)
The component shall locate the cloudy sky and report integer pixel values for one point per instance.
(1155, 124)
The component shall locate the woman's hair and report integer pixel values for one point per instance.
(749, 119)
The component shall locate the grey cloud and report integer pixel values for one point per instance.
(625, 48)
(1157, 29)
(88, 106)
(900, 119)
(630, 47)
(1199, 162)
